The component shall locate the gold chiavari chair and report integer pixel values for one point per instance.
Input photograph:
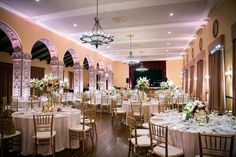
(119, 100)
(180, 102)
(136, 143)
(90, 118)
(159, 142)
(104, 103)
(136, 108)
(215, 145)
(44, 134)
(81, 132)
(116, 112)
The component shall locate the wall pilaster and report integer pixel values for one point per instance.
(17, 74)
(26, 74)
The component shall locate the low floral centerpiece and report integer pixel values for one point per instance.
(167, 85)
(142, 83)
(197, 110)
(49, 84)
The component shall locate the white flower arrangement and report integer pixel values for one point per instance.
(142, 83)
(194, 108)
(167, 85)
(48, 84)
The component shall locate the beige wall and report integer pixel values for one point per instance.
(121, 72)
(225, 14)
(173, 71)
(29, 33)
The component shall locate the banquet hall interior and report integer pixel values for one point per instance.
(117, 78)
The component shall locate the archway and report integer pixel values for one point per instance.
(11, 44)
(72, 71)
(85, 74)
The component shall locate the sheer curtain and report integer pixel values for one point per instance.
(217, 82)
(191, 79)
(234, 78)
(186, 81)
(199, 79)
(5, 80)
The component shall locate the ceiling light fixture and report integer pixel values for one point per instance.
(141, 68)
(171, 14)
(131, 60)
(75, 25)
(97, 37)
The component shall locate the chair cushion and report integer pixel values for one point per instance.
(79, 128)
(172, 151)
(141, 132)
(204, 156)
(87, 121)
(142, 141)
(145, 125)
(45, 134)
(17, 133)
(120, 110)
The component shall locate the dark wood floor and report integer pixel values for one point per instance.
(112, 141)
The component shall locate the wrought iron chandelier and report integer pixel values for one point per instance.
(131, 60)
(141, 68)
(97, 37)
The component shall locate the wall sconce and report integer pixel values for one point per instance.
(106, 75)
(195, 78)
(65, 80)
(207, 77)
(228, 73)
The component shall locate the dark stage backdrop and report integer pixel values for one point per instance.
(156, 73)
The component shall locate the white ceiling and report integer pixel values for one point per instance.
(148, 20)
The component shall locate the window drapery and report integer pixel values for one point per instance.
(5, 80)
(199, 86)
(186, 81)
(191, 79)
(234, 78)
(217, 82)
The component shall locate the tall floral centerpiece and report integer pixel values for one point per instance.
(142, 83)
(47, 85)
(195, 109)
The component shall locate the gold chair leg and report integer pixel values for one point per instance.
(70, 134)
(91, 136)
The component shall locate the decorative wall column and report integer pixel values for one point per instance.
(26, 74)
(76, 78)
(102, 77)
(54, 66)
(110, 79)
(57, 67)
(92, 78)
(17, 69)
(81, 80)
(60, 70)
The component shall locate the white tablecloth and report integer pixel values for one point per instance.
(185, 135)
(62, 122)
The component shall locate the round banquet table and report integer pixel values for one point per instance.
(63, 120)
(185, 134)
